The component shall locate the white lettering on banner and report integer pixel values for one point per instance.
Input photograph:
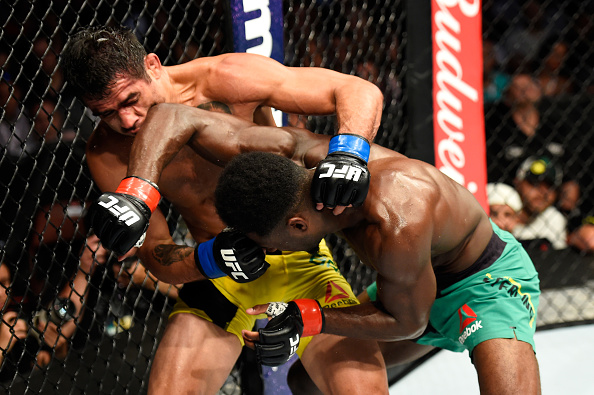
(449, 79)
(469, 9)
(258, 27)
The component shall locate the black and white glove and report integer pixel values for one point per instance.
(342, 178)
(290, 322)
(120, 218)
(231, 254)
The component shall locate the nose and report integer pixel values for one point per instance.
(128, 118)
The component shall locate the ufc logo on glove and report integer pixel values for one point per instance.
(122, 213)
(347, 172)
(231, 262)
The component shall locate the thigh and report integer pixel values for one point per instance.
(401, 352)
(506, 366)
(340, 365)
(193, 357)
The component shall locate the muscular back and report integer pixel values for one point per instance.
(427, 208)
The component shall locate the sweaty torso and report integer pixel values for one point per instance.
(413, 206)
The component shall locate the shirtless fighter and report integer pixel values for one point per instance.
(446, 275)
(120, 82)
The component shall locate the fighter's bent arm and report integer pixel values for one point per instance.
(356, 102)
(171, 263)
(215, 136)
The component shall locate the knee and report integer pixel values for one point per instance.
(299, 381)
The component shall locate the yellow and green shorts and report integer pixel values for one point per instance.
(291, 275)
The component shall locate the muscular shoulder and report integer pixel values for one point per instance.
(403, 195)
(246, 73)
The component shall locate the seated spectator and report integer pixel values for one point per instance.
(12, 326)
(495, 80)
(516, 128)
(505, 205)
(540, 223)
(552, 74)
(33, 332)
(583, 237)
(19, 353)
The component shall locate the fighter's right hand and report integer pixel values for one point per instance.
(120, 219)
(231, 254)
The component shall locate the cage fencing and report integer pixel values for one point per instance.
(538, 58)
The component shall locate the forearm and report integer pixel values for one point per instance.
(163, 134)
(171, 263)
(359, 108)
(367, 321)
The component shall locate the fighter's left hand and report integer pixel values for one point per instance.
(279, 340)
(341, 180)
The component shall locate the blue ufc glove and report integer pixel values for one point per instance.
(231, 254)
(342, 178)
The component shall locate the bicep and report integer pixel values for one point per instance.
(261, 80)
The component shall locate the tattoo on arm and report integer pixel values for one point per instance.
(215, 106)
(167, 254)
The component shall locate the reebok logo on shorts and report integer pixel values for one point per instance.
(468, 323)
(334, 292)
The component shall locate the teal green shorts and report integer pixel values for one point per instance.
(497, 302)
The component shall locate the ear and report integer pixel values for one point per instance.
(298, 224)
(153, 65)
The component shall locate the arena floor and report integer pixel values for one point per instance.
(565, 355)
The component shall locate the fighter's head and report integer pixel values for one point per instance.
(266, 196)
(95, 57)
(113, 75)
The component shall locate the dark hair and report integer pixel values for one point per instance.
(95, 56)
(257, 190)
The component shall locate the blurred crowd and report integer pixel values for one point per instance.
(538, 88)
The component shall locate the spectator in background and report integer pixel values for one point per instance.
(579, 214)
(12, 326)
(534, 24)
(582, 238)
(495, 80)
(15, 130)
(540, 223)
(515, 129)
(505, 205)
(552, 74)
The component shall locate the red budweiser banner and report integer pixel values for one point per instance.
(458, 120)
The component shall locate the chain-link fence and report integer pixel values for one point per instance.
(538, 58)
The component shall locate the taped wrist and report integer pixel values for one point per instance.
(350, 144)
(145, 190)
(205, 261)
(312, 316)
